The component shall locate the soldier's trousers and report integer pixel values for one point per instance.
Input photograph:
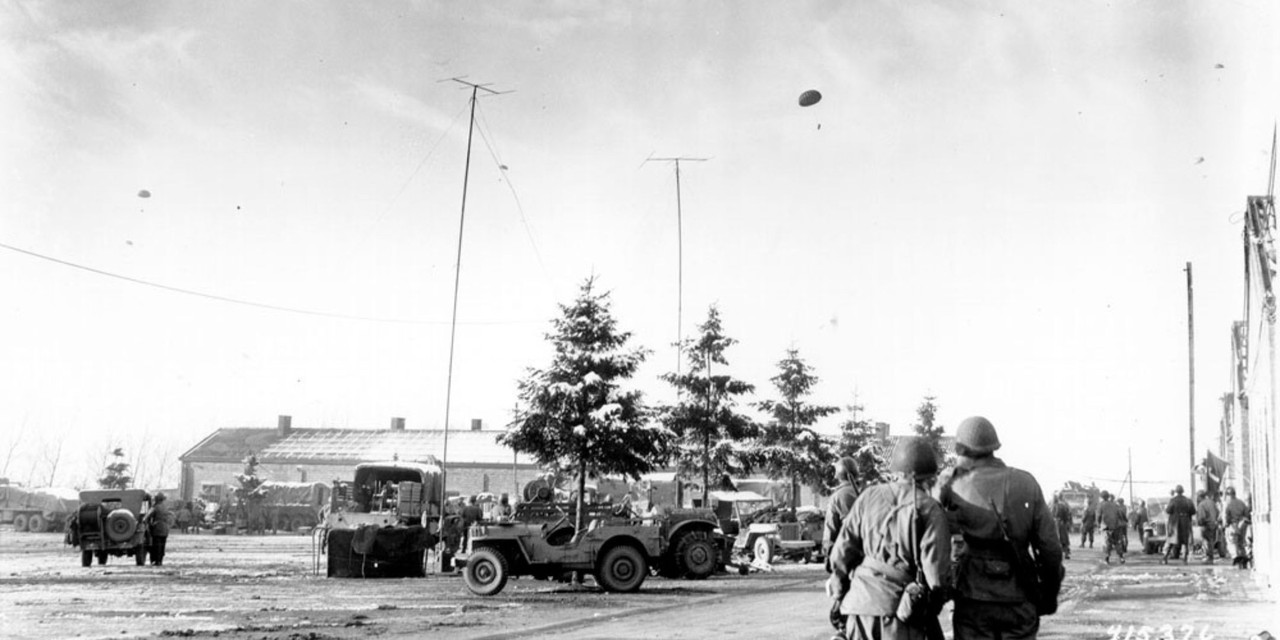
(888, 627)
(1210, 535)
(977, 620)
(157, 549)
(1115, 542)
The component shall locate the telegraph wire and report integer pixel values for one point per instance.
(248, 303)
(506, 178)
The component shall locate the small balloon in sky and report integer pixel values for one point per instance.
(144, 194)
(810, 98)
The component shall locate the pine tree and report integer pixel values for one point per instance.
(788, 446)
(116, 475)
(575, 415)
(925, 427)
(860, 440)
(712, 439)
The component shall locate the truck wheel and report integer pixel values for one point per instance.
(36, 523)
(695, 556)
(86, 557)
(486, 572)
(20, 523)
(102, 557)
(763, 550)
(140, 555)
(622, 569)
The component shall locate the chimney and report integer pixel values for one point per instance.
(397, 424)
(475, 424)
(284, 426)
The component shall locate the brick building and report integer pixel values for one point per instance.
(476, 461)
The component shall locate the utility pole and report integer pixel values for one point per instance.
(679, 258)
(457, 280)
(1191, 377)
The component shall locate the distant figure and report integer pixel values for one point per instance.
(1207, 518)
(1180, 511)
(1139, 520)
(504, 507)
(158, 520)
(1062, 516)
(471, 514)
(1088, 522)
(1114, 523)
(1238, 517)
(846, 474)
(451, 540)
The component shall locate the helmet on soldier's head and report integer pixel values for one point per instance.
(1105, 495)
(846, 469)
(914, 456)
(160, 497)
(1231, 491)
(1178, 489)
(977, 435)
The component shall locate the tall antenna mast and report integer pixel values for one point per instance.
(457, 279)
(679, 259)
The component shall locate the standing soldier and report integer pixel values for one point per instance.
(846, 473)
(158, 521)
(1062, 515)
(891, 561)
(1011, 569)
(1087, 524)
(1237, 513)
(1207, 518)
(1180, 511)
(1114, 522)
(1140, 522)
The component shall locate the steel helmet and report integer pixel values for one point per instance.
(914, 456)
(1231, 491)
(846, 469)
(977, 435)
(1106, 496)
(1178, 489)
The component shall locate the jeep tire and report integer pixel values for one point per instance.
(763, 550)
(86, 557)
(695, 556)
(486, 572)
(102, 557)
(622, 569)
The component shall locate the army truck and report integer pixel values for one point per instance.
(36, 510)
(382, 522)
(618, 547)
(109, 522)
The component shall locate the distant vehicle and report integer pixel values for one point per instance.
(37, 510)
(762, 531)
(109, 522)
(399, 503)
(1157, 527)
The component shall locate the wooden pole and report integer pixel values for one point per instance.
(1191, 379)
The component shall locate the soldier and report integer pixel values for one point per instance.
(1114, 522)
(1181, 511)
(1238, 516)
(158, 521)
(1139, 520)
(1010, 572)
(1062, 515)
(1207, 518)
(1088, 522)
(891, 560)
(846, 472)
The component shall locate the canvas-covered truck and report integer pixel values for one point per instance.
(618, 547)
(382, 522)
(109, 522)
(37, 510)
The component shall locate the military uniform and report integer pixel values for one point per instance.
(158, 520)
(841, 502)
(1114, 523)
(1207, 518)
(874, 559)
(996, 591)
(1140, 523)
(1062, 516)
(1180, 511)
(1237, 514)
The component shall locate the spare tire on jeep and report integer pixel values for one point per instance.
(121, 525)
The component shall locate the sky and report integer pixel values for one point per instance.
(993, 204)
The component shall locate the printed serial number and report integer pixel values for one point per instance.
(1163, 632)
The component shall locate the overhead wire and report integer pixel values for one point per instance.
(506, 179)
(248, 303)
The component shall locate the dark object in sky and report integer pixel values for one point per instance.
(1219, 66)
(1200, 159)
(144, 194)
(810, 98)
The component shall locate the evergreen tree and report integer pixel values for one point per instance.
(116, 475)
(860, 440)
(574, 415)
(711, 438)
(925, 427)
(788, 446)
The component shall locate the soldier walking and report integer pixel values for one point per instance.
(1087, 524)
(1207, 518)
(891, 560)
(1140, 522)
(1114, 523)
(1010, 572)
(1062, 516)
(1238, 516)
(846, 474)
(1180, 511)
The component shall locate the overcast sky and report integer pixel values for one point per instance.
(992, 204)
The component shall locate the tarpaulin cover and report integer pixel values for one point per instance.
(312, 494)
(51, 499)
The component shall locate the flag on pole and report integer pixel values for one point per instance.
(1214, 470)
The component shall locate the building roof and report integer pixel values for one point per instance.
(352, 446)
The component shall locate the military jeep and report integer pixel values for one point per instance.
(618, 546)
(110, 523)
